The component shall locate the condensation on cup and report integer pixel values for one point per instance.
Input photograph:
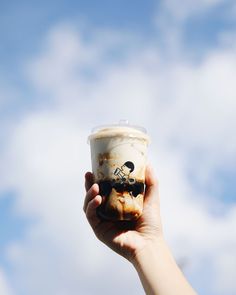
(119, 156)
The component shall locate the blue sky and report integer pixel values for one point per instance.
(14, 225)
(69, 65)
(24, 24)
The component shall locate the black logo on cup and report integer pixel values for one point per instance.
(124, 172)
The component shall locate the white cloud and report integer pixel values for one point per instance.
(203, 104)
(4, 286)
(182, 10)
(226, 263)
(186, 107)
(47, 171)
(173, 20)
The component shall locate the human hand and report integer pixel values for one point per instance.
(126, 238)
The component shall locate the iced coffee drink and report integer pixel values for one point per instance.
(118, 154)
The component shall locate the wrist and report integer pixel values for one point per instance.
(149, 249)
(158, 270)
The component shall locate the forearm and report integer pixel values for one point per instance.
(159, 272)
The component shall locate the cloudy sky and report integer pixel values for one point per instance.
(67, 66)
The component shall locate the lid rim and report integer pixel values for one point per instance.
(141, 136)
(123, 128)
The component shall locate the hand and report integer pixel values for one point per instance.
(126, 238)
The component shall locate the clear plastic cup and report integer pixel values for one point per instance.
(119, 156)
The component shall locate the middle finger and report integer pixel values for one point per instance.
(91, 194)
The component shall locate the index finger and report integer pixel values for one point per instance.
(89, 180)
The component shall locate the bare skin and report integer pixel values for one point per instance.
(141, 242)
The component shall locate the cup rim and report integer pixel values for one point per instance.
(132, 130)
